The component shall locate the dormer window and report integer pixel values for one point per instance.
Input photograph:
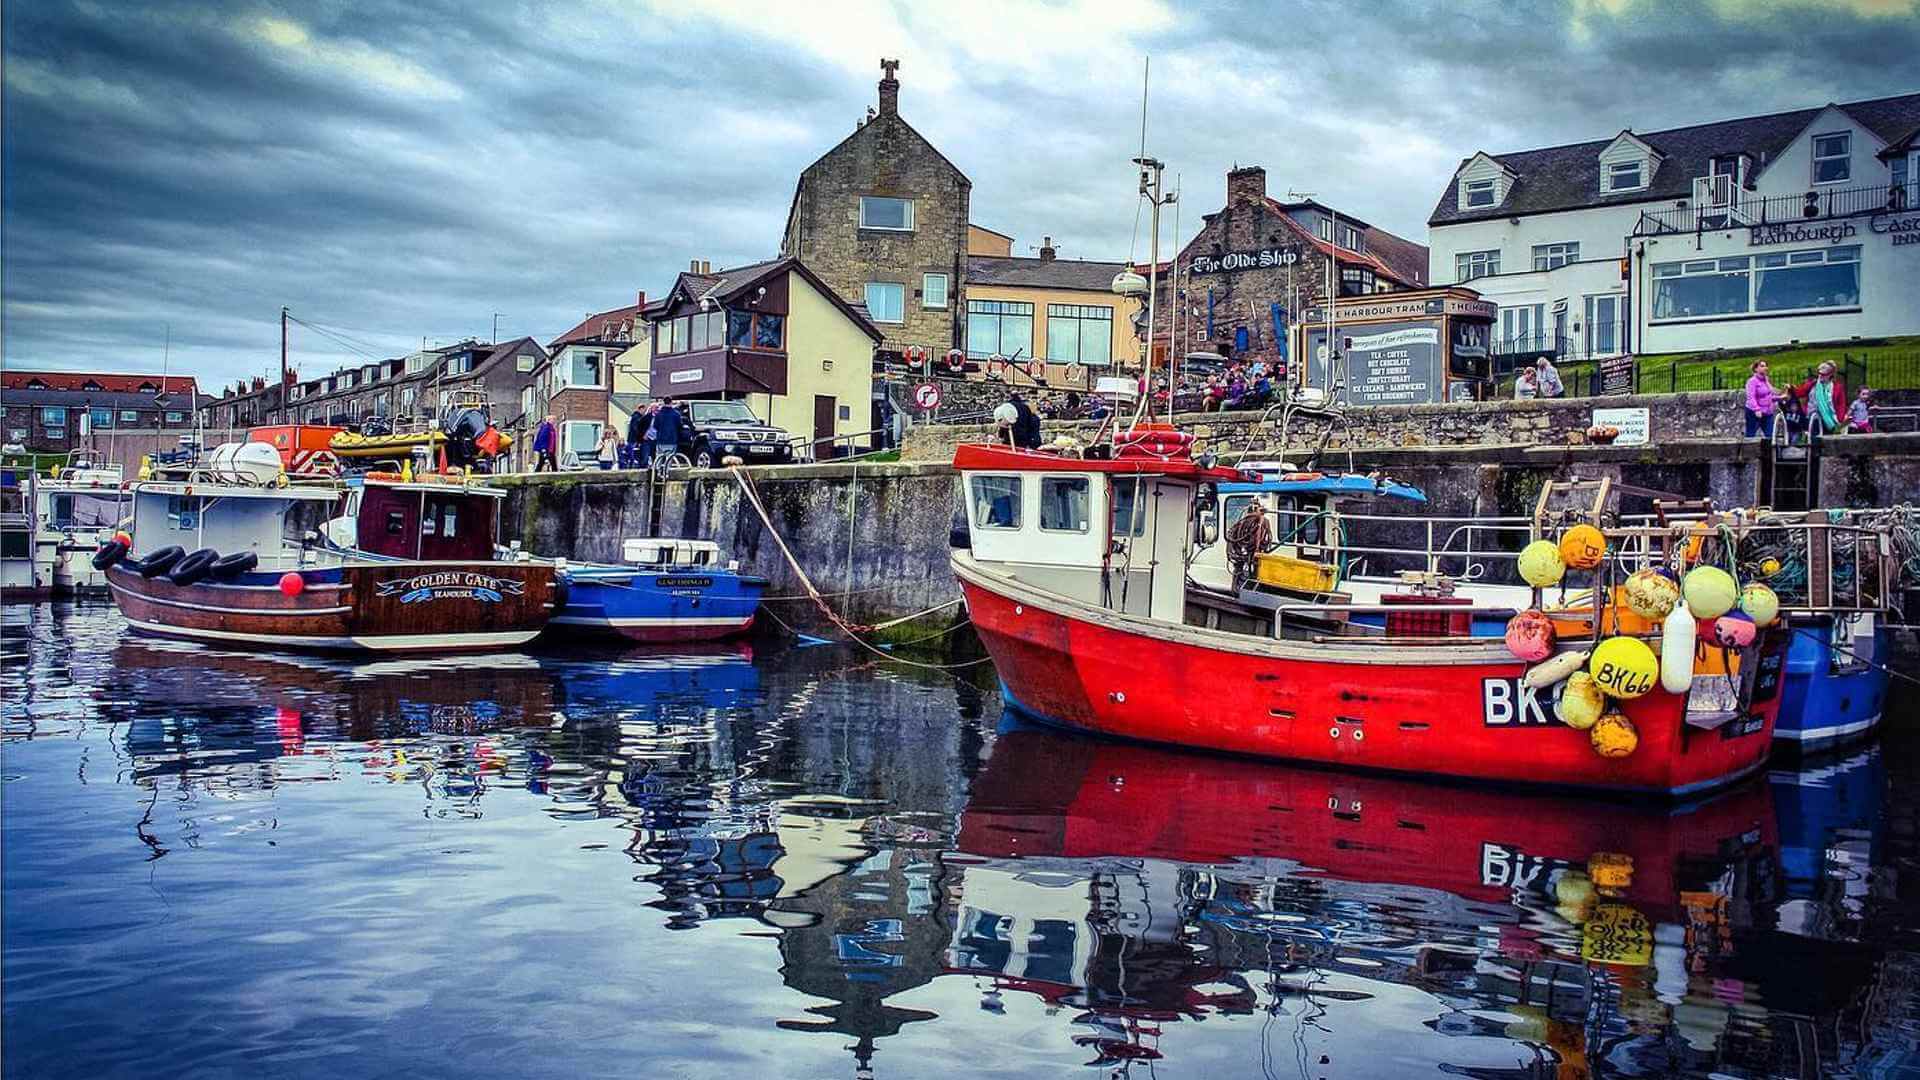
(1325, 229)
(1476, 193)
(1626, 175)
(1350, 238)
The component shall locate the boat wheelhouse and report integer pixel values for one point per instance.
(79, 511)
(1075, 572)
(21, 575)
(231, 554)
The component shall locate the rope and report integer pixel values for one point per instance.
(1828, 642)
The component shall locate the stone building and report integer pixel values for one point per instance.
(882, 219)
(1258, 262)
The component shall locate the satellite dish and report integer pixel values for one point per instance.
(1128, 283)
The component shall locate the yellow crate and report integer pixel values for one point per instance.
(1295, 575)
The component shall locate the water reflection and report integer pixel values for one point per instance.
(806, 864)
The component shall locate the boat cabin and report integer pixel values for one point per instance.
(281, 526)
(1304, 514)
(432, 522)
(670, 553)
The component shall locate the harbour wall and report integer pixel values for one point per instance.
(873, 537)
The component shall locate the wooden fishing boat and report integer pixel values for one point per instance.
(232, 554)
(1074, 573)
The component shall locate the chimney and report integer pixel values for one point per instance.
(706, 266)
(889, 88)
(693, 266)
(259, 382)
(1246, 185)
(1046, 249)
(642, 302)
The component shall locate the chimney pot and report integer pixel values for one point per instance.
(1246, 185)
(693, 266)
(642, 302)
(1046, 249)
(889, 88)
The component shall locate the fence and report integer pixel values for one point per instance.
(1881, 371)
(1741, 208)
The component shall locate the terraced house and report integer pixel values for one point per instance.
(57, 411)
(1800, 226)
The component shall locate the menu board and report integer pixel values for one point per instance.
(1616, 374)
(1393, 363)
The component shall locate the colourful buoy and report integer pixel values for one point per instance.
(292, 584)
(1580, 703)
(1710, 592)
(1541, 565)
(1583, 547)
(1651, 594)
(1761, 603)
(1735, 630)
(1614, 736)
(1530, 636)
(1624, 667)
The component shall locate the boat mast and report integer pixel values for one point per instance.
(283, 363)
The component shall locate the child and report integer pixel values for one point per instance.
(1860, 414)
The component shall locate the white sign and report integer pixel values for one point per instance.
(927, 396)
(689, 375)
(1636, 427)
(1395, 338)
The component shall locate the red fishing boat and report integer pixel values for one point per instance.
(232, 553)
(1074, 571)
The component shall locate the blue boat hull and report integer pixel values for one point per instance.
(1830, 697)
(659, 606)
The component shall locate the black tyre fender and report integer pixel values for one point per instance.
(228, 567)
(191, 568)
(161, 561)
(110, 553)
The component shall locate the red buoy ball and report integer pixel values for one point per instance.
(292, 584)
(1735, 629)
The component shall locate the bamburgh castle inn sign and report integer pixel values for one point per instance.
(1904, 228)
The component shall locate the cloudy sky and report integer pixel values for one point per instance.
(405, 170)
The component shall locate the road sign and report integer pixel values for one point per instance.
(927, 396)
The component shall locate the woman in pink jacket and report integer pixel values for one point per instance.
(1763, 402)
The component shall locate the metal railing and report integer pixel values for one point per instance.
(1745, 209)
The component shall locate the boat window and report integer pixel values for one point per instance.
(183, 512)
(448, 519)
(1129, 510)
(91, 511)
(1063, 503)
(396, 522)
(429, 521)
(996, 502)
(62, 516)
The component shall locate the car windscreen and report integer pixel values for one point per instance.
(722, 412)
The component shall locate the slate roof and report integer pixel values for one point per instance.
(596, 326)
(1406, 259)
(1017, 271)
(1568, 177)
(1372, 259)
(728, 285)
(76, 380)
(177, 401)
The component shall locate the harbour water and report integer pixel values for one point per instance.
(804, 862)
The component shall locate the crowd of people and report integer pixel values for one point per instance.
(656, 431)
(1818, 406)
(1240, 386)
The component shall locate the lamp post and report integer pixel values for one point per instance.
(1332, 296)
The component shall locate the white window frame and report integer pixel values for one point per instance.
(564, 372)
(1350, 238)
(1487, 261)
(1566, 252)
(1470, 188)
(926, 293)
(975, 509)
(1324, 229)
(909, 227)
(1085, 484)
(523, 363)
(1614, 170)
(1845, 156)
(867, 297)
(592, 447)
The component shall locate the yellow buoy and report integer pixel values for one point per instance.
(1610, 870)
(1574, 890)
(1580, 703)
(1614, 736)
(1760, 603)
(1624, 667)
(1769, 566)
(1541, 565)
(1651, 594)
(1583, 547)
(1710, 592)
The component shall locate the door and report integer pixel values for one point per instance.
(1603, 325)
(823, 426)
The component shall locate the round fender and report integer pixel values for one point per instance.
(110, 553)
(1678, 632)
(191, 568)
(161, 561)
(228, 567)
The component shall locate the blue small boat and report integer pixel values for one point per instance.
(1836, 685)
(668, 590)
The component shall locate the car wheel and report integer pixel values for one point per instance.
(703, 458)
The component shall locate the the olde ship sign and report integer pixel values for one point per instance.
(1243, 260)
(451, 585)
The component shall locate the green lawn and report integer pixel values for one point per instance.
(1891, 364)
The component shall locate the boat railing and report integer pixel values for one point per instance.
(1343, 611)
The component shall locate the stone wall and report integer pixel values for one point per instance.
(1708, 415)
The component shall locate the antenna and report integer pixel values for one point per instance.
(1146, 71)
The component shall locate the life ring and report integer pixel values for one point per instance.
(956, 361)
(191, 568)
(161, 561)
(1037, 369)
(997, 366)
(110, 553)
(1074, 371)
(228, 567)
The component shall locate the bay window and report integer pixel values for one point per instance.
(999, 326)
(582, 368)
(1079, 334)
(1823, 278)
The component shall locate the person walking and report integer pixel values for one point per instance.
(1826, 397)
(1548, 378)
(544, 438)
(1763, 402)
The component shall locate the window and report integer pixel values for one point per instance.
(129, 416)
(1476, 192)
(348, 380)
(769, 331)
(683, 333)
(417, 363)
(716, 327)
(877, 212)
(1129, 517)
(1554, 256)
(458, 365)
(999, 326)
(1355, 281)
(996, 502)
(1079, 334)
(1324, 227)
(53, 416)
(1832, 158)
(1902, 195)
(739, 327)
(1063, 503)
(18, 434)
(1734, 165)
(406, 399)
(697, 333)
(1522, 327)
(886, 301)
(583, 438)
(102, 418)
(933, 290)
(1625, 176)
(1792, 281)
(1468, 265)
(583, 368)
(1350, 238)
(523, 363)
(176, 417)
(1702, 287)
